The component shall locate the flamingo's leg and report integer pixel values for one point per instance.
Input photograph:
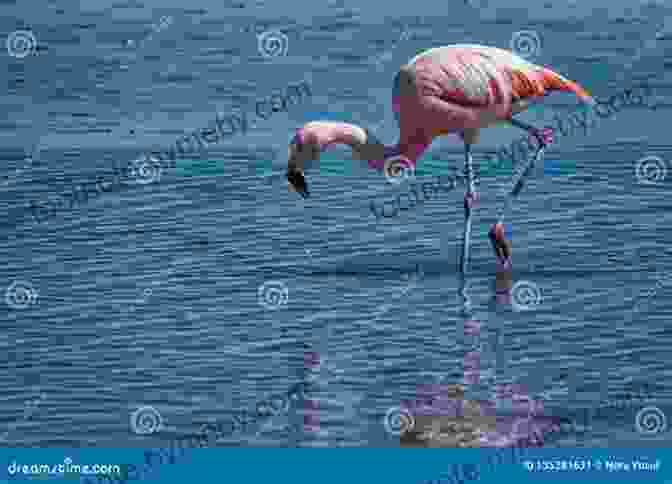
(470, 199)
(497, 236)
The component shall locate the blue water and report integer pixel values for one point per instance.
(147, 294)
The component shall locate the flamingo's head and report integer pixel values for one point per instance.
(300, 153)
(297, 183)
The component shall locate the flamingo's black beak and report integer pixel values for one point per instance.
(297, 183)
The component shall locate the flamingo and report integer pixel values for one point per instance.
(455, 89)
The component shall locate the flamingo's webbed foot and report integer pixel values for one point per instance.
(501, 246)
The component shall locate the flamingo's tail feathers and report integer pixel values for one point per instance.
(555, 82)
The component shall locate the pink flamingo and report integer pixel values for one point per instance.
(456, 89)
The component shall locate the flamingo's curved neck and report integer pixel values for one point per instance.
(392, 150)
(413, 150)
(364, 143)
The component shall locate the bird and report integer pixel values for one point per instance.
(454, 89)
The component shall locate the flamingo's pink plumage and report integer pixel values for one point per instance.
(448, 90)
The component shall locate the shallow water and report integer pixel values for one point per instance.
(147, 295)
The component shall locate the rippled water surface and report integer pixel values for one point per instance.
(148, 294)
